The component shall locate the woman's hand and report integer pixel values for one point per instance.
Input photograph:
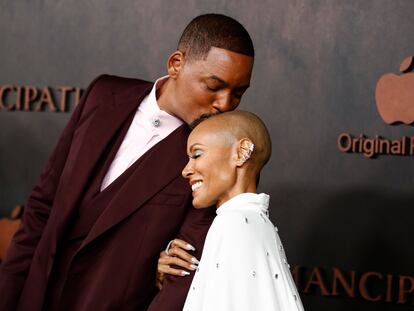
(175, 260)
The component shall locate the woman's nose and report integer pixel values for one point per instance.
(187, 171)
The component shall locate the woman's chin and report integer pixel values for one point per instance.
(200, 204)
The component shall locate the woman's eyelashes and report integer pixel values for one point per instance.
(196, 154)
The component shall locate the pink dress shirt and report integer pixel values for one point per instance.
(149, 126)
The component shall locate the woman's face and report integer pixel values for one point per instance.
(211, 168)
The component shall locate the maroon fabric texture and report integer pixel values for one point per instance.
(91, 207)
(175, 288)
(108, 263)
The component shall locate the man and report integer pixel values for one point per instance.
(111, 195)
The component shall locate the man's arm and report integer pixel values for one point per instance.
(175, 260)
(175, 288)
(15, 267)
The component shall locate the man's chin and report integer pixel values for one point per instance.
(201, 118)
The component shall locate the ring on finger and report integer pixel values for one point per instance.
(167, 249)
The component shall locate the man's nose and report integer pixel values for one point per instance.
(224, 102)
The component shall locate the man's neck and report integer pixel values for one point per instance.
(165, 96)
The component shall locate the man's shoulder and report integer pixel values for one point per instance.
(106, 86)
(117, 84)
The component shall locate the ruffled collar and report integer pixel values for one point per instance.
(246, 201)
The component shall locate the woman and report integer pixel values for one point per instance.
(243, 266)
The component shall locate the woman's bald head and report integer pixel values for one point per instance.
(241, 125)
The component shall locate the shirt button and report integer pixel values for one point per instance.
(156, 121)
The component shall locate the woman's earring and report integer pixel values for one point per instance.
(251, 147)
(245, 157)
(247, 153)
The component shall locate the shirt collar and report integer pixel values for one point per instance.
(152, 112)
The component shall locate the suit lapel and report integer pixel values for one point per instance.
(161, 165)
(104, 124)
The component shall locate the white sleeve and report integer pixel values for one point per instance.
(245, 268)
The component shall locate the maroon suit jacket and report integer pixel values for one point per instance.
(114, 269)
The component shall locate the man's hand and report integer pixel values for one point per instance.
(175, 255)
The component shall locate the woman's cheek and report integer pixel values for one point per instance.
(225, 178)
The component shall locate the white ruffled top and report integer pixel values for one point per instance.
(243, 266)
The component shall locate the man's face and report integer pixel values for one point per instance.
(211, 85)
(211, 168)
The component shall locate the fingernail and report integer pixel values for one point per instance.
(184, 273)
(195, 260)
(190, 247)
(193, 267)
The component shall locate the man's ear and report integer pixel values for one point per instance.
(244, 151)
(175, 63)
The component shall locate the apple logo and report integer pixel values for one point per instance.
(394, 95)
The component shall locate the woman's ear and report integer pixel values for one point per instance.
(175, 63)
(244, 151)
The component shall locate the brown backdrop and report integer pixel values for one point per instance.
(317, 65)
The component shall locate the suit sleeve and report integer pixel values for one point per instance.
(175, 288)
(16, 265)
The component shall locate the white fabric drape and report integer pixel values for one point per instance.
(243, 266)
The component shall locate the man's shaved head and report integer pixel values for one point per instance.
(214, 30)
(237, 125)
